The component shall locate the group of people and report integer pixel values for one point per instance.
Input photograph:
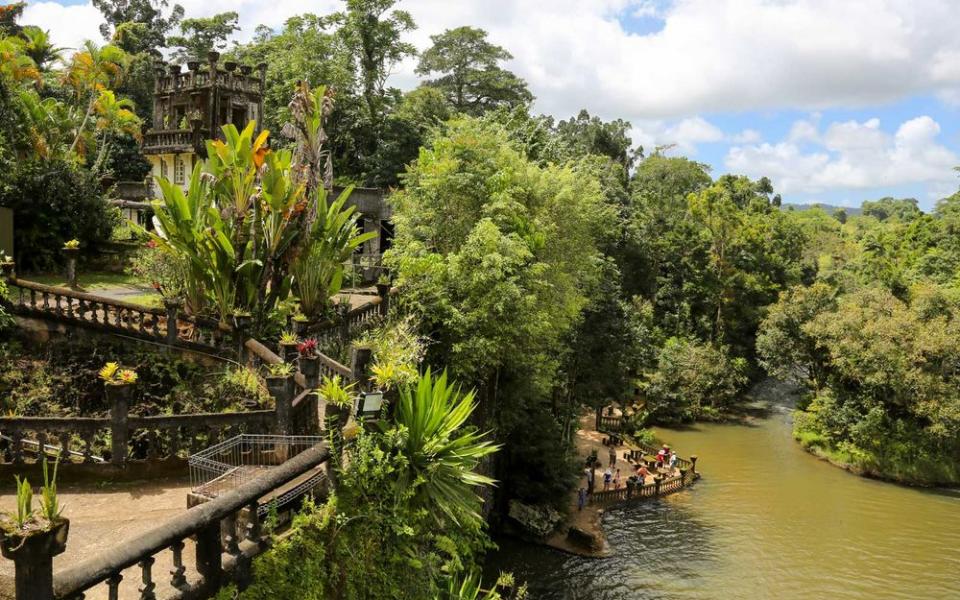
(665, 462)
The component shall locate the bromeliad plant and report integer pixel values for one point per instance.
(112, 374)
(24, 503)
(71, 245)
(308, 348)
(333, 391)
(280, 369)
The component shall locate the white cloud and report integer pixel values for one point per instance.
(851, 155)
(747, 136)
(710, 55)
(70, 25)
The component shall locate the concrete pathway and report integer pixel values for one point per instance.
(104, 516)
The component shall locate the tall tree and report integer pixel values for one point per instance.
(468, 71)
(40, 48)
(373, 32)
(201, 35)
(151, 13)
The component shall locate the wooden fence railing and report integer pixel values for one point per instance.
(630, 492)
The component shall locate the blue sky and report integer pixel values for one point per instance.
(835, 101)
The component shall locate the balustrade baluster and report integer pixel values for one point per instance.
(228, 529)
(252, 529)
(69, 300)
(116, 315)
(152, 444)
(88, 441)
(148, 587)
(143, 329)
(113, 586)
(155, 321)
(177, 573)
(65, 445)
(33, 299)
(41, 445)
(46, 302)
(17, 449)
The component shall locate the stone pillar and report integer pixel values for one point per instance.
(209, 552)
(71, 255)
(118, 397)
(173, 306)
(280, 389)
(342, 310)
(693, 463)
(288, 351)
(213, 100)
(241, 328)
(33, 560)
(383, 290)
(310, 368)
(360, 358)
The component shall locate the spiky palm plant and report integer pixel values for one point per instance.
(441, 450)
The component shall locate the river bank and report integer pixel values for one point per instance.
(769, 521)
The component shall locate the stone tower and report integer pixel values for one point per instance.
(191, 107)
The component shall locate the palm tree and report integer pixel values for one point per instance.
(40, 48)
(113, 117)
(15, 65)
(50, 124)
(91, 71)
(441, 453)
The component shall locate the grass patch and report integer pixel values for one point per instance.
(92, 281)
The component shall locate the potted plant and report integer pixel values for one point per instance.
(31, 532)
(309, 359)
(339, 400)
(300, 323)
(383, 285)
(288, 345)
(118, 382)
(279, 376)
(242, 319)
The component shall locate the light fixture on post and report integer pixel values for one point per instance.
(369, 403)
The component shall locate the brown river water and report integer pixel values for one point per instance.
(767, 520)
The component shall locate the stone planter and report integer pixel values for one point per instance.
(336, 416)
(310, 367)
(193, 65)
(279, 385)
(300, 327)
(242, 321)
(119, 397)
(46, 542)
(288, 351)
(383, 289)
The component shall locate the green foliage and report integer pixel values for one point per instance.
(693, 380)
(318, 272)
(468, 72)
(397, 352)
(24, 502)
(49, 502)
(52, 202)
(495, 256)
(146, 13)
(333, 391)
(382, 536)
(198, 36)
(441, 454)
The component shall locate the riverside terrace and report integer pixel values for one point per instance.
(202, 548)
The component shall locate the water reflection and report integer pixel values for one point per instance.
(767, 521)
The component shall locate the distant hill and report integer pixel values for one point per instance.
(828, 208)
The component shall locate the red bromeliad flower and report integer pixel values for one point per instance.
(307, 347)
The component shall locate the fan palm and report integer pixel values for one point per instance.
(441, 452)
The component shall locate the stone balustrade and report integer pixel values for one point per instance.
(189, 332)
(226, 532)
(661, 486)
